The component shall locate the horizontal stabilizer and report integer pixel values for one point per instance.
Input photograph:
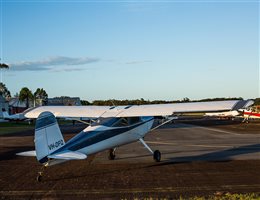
(27, 153)
(68, 155)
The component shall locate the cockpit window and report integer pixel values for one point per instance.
(117, 122)
(120, 122)
(105, 121)
(133, 120)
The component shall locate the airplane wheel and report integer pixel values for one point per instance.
(111, 155)
(39, 178)
(157, 155)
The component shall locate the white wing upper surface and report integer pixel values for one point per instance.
(69, 111)
(139, 110)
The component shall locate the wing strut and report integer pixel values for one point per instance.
(169, 120)
(78, 120)
(146, 146)
(156, 153)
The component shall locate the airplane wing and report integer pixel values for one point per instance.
(139, 110)
(68, 111)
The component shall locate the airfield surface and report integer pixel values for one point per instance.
(198, 158)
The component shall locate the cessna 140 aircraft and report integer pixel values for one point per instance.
(114, 126)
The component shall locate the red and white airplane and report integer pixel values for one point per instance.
(240, 113)
(249, 114)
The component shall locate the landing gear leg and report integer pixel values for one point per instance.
(112, 154)
(156, 153)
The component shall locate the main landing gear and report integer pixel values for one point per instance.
(112, 154)
(156, 153)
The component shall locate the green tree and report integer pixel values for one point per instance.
(41, 94)
(3, 66)
(4, 91)
(257, 101)
(25, 95)
(186, 99)
(85, 103)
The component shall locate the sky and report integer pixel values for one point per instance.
(156, 50)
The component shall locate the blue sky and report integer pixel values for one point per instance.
(132, 49)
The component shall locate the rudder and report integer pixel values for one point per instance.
(48, 137)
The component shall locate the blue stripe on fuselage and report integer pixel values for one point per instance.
(84, 139)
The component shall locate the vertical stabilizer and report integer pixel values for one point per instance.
(5, 114)
(48, 137)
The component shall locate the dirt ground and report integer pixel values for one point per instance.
(126, 178)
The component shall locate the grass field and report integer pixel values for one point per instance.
(226, 196)
(12, 127)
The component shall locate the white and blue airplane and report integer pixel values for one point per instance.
(114, 126)
(14, 117)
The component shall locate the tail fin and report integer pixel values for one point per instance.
(5, 114)
(48, 137)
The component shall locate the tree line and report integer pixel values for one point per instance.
(26, 95)
(141, 101)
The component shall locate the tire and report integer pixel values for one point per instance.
(39, 178)
(111, 155)
(157, 155)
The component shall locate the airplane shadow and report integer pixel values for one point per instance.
(213, 122)
(201, 122)
(218, 156)
(11, 151)
(67, 176)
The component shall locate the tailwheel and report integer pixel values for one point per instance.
(40, 173)
(112, 154)
(39, 177)
(157, 155)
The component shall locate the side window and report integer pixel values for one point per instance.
(126, 121)
(120, 122)
(133, 120)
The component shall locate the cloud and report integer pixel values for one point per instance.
(69, 69)
(136, 62)
(52, 63)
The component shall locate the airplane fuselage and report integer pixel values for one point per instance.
(107, 134)
(250, 114)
